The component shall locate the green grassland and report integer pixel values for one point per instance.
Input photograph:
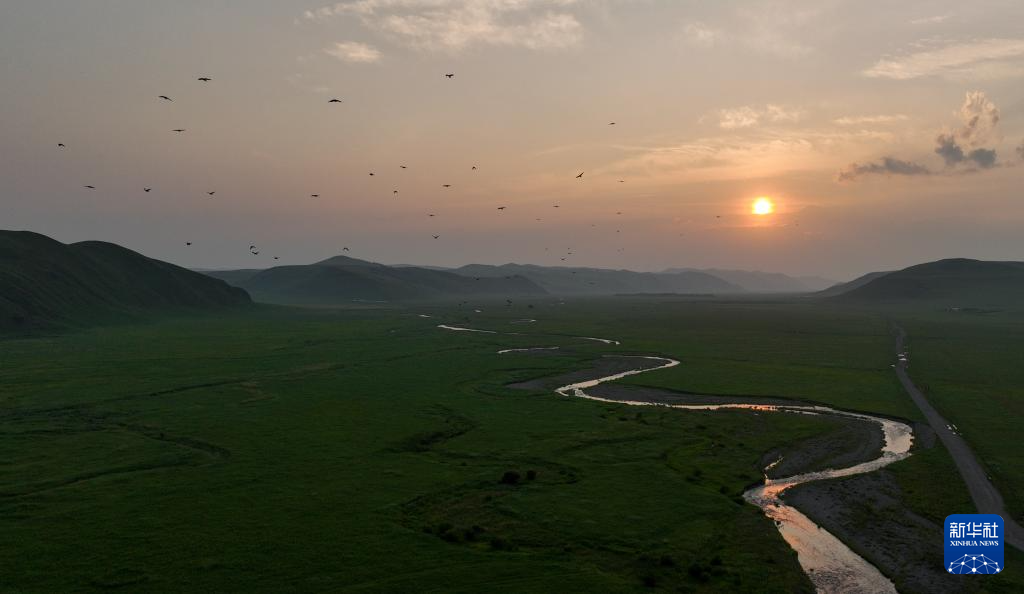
(970, 364)
(363, 450)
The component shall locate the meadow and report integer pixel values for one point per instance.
(367, 450)
(970, 364)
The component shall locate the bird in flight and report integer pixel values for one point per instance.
(204, 78)
(450, 75)
(188, 243)
(147, 190)
(276, 258)
(611, 123)
(394, 192)
(345, 249)
(91, 187)
(314, 195)
(335, 101)
(555, 206)
(164, 97)
(371, 174)
(403, 166)
(436, 236)
(430, 215)
(501, 208)
(211, 193)
(178, 130)
(474, 168)
(60, 145)
(580, 176)
(446, 185)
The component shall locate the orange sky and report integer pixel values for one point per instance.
(876, 155)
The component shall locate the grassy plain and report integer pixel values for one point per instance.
(970, 365)
(363, 450)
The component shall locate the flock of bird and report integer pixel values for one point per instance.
(253, 250)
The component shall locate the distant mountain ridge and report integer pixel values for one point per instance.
(45, 283)
(601, 281)
(342, 279)
(757, 281)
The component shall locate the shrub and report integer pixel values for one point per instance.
(510, 477)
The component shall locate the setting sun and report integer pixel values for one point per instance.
(762, 206)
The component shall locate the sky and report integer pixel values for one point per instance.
(885, 134)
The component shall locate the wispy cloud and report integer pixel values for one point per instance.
(870, 119)
(884, 166)
(957, 60)
(932, 20)
(771, 27)
(754, 153)
(747, 116)
(699, 34)
(454, 25)
(354, 52)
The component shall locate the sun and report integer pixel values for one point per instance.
(762, 206)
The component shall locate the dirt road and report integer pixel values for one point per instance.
(986, 497)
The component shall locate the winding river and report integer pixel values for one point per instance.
(831, 565)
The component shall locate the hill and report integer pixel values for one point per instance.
(342, 279)
(955, 283)
(756, 281)
(45, 283)
(600, 281)
(860, 281)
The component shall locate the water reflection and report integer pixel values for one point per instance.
(830, 564)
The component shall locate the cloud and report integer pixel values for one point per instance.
(957, 60)
(884, 166)
(353, 52)
(872, 119)
(980, 117)
(949, 150)
(983, 158)
(454, 25)
(932, 20)
(771, 27)
(963, 149)
(767, 151)
(746, 116)
(965, 144)
(701, 35)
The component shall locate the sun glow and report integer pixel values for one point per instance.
(762, 206)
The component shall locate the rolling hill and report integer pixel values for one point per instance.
(600, 281)
(954, 283)
(860, 281)
(45, 283)
(342, 279)
(756, 281)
